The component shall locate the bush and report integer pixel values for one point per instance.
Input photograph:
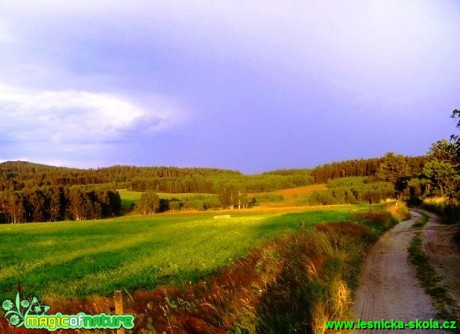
(149, 203)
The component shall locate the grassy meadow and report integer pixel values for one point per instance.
(78, 259)
(287, 197)
(189, 271)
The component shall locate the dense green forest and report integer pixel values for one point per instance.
(58, 203)
(353, 190)
(362, 167)
(20, 175)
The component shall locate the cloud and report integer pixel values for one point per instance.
(79, 117)
(5, 35)
(258, 69)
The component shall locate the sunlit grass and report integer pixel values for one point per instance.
(129, 198)
(133, 252)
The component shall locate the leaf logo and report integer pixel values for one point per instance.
(16, 311)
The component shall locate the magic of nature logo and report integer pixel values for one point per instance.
(31, 314)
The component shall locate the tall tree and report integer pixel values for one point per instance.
(443, 151)
(440, 174)
(395, 169)
(456, 138)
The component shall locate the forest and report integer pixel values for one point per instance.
(58, 203)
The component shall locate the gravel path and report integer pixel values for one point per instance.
(388, 287)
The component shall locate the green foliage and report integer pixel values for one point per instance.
(348, 182)
(346, 168)
(264, 198)
(352, 190)
(362, 167)
(401, 171)
(449, 212)
(15, 176)
(174, 202)
(58, 203)
(231, 196)
(443, 151)
(148, 204)
(393, 168)
(441, 175)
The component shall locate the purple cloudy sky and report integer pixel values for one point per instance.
(248, 85)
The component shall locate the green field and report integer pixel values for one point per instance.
(78, 259)
(129, 197)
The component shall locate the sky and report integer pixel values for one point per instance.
(248, 85)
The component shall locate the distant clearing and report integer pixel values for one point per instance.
(305, 190)
(291, 196)
(129, 197)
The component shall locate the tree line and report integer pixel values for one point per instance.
(212, 184)
(352, 190)
(19, 175)
(58, 203)
(363, 167)
(151, 203)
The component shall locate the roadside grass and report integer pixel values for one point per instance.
(446, 307)
(422, 221)
(398, 210)
(78, 259)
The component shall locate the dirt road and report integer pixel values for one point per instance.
(388, 287)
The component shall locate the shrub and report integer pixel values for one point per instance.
(149, 203)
